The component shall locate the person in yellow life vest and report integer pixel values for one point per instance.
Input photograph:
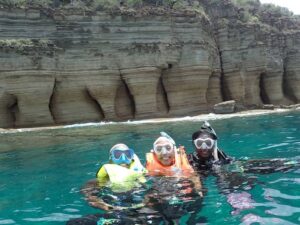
(124, 167)
(123, 173)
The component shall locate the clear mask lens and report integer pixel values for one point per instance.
(204, 143)
(160, 148)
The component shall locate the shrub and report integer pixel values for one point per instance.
(274, 9)
(13, 3)
(106, 4)
(135, 3)
(247, 3)
(25, 3)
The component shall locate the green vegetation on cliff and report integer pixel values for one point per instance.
(28, 46)
(250, 10)
(252, 6)
(25, 3)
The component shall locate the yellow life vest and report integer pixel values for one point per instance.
(121, 178)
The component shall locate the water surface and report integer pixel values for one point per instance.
(43, 171)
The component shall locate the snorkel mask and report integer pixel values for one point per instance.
(158, 148)
(121, 154)
(205, 141)
(164, 149)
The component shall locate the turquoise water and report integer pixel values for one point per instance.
(42, 171)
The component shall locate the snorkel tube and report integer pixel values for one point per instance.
(206, 125)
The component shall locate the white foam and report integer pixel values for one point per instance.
(203, 117)
(210, 116)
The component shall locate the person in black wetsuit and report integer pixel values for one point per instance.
(234, 177)
(206, 154)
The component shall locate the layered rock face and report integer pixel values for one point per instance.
(102, 67)
(260, 57)
(71, 67)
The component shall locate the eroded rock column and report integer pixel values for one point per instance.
(142, 84)
(273, 87)
(72, 101)
(252, 88)
(186, 89)
(292, 74)
(25, 98)
(103, 88)
(234, 85)
(214, 94)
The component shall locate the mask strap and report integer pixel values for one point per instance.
(164, 134)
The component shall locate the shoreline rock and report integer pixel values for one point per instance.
(225, 107)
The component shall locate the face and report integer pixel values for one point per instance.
(164, 152)
(204, 145)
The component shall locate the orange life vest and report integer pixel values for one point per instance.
(180, 167)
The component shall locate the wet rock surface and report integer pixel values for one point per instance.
(225, 107)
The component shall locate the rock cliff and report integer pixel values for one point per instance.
(68, 66)
(259, 50)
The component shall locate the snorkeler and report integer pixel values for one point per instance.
(116, 190)
(206, 152)
(166, 159)
(123, 172)
(120, 157)
(232, 175)
(176, 190)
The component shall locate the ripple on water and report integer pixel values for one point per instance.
(270, 146)
(288, 180)
(277, 194)
(71, 210)
(54, 217)
(282, 210)
(37, 209)
(250, 219)
(7, 221)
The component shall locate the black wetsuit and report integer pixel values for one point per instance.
(168, 199)
(226, 181)
(207, 164)
(242, 178)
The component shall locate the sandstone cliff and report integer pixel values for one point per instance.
(67, 66)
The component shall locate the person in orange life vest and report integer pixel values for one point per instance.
(175, 187)
(165, 159)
